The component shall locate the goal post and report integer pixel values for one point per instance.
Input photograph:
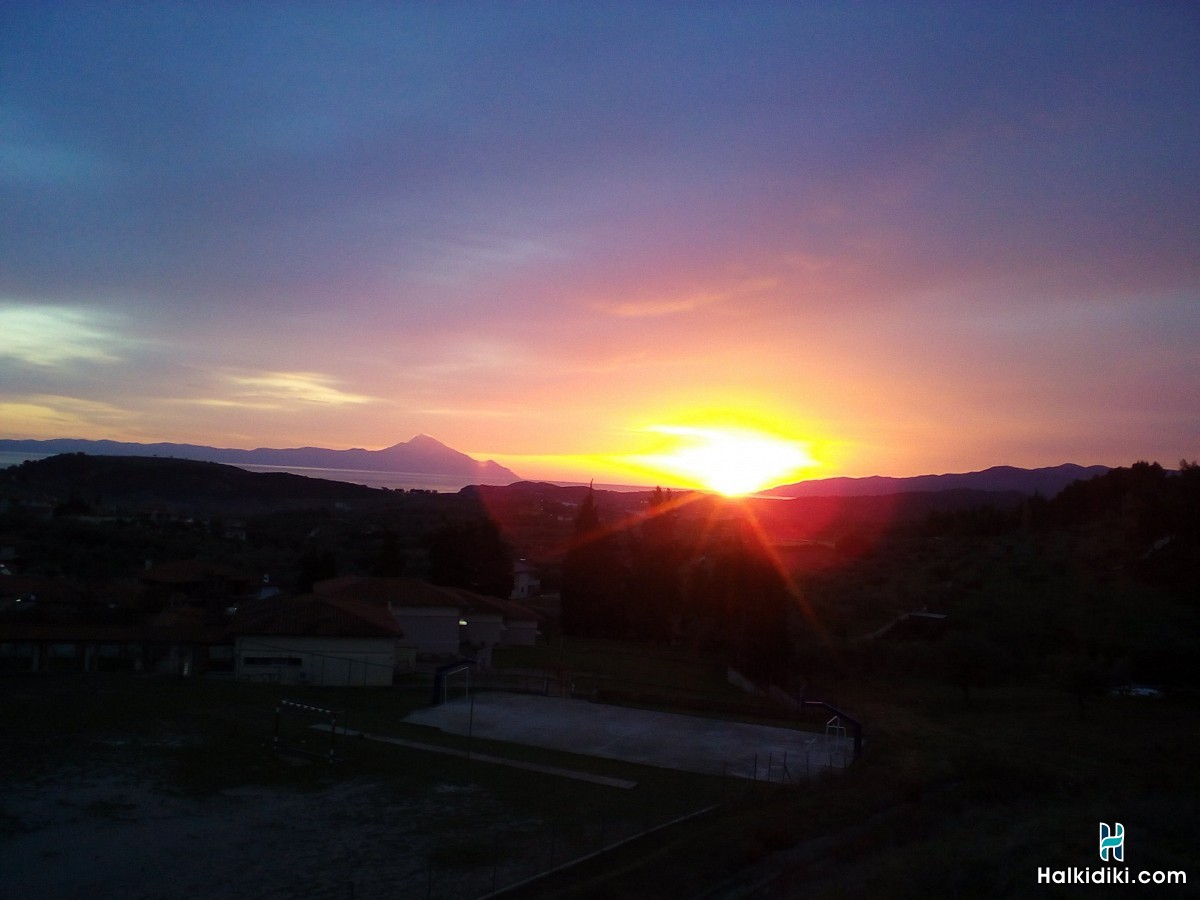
(300, 728)
(452, 682)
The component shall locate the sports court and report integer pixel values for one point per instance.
(668, 740)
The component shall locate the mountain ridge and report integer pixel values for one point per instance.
(1047, 481)
(423, 455)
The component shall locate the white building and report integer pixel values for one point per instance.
(329, 641)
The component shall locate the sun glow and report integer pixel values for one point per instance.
(730, 461)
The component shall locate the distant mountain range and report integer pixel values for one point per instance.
(422, 455)
(1046, 481)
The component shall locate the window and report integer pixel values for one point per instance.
(272, 661)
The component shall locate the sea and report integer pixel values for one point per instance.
(407, 481)
(395, 480)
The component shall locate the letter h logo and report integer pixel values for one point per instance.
(1112, 842)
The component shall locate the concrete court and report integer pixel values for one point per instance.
(667, 740)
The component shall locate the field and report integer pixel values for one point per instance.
(121, 786)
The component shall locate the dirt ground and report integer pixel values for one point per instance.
(104, 835)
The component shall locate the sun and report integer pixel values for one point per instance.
(730, 461)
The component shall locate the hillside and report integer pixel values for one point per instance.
(129, 482)
(422, 455)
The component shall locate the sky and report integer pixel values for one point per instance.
(902, 237)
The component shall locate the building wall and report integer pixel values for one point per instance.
(482, 629)
(428, 629)
(326, 661)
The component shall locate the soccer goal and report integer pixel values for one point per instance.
(452, 682)
(305, 730)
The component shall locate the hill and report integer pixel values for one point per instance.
(1045, 481)
(128, 482)
(422, 455)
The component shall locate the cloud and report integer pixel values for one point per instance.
(57, 336)
(282, 390)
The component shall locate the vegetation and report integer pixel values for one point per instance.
(995, 740)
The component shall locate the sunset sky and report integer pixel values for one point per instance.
(908, 237)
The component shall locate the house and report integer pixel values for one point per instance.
(526, 583)
(438, 621)
(316, 639)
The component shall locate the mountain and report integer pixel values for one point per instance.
(1046, 481)
(108, 482)
(422, 455)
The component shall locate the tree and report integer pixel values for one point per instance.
(471, 555)
(594, 586)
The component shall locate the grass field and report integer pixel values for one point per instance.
(103, 777)
(117, 769)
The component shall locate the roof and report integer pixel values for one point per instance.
(313, 615)
(382, 591)
(193, 571)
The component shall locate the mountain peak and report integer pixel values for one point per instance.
(425, 440)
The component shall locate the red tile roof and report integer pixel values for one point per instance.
(312, 615)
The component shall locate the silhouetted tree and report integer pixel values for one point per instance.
(594, 587)
(471, 555)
